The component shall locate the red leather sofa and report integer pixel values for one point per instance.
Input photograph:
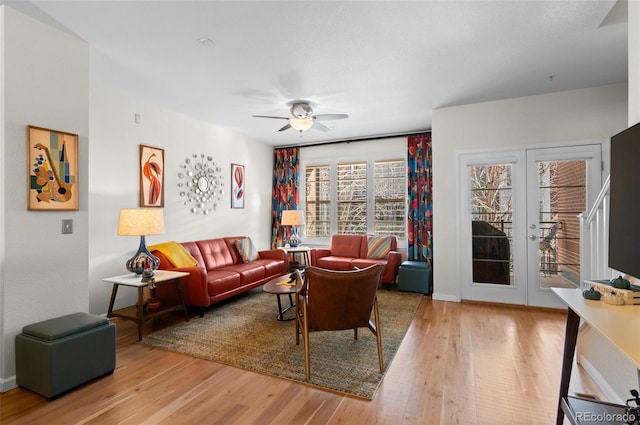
(347, 252)
(221, 272)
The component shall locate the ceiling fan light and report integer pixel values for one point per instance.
(301, 124)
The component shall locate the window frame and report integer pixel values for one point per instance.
(332, 163)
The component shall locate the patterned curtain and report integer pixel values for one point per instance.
(285, 193)
(420, 209)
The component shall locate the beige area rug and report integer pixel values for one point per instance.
(244, 333)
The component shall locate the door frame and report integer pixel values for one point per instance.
(544, 297)
(515, 293)
(518, 292)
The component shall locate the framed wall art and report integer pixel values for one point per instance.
(52, 164)
(151, 177)
(237, 186)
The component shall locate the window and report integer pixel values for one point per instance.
(352, 198)
(369, 198)
(390, 198)
(318, 201)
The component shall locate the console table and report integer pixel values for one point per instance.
(137, 312)
(620, 325)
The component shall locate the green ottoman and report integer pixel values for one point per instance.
(59, 354)
(415, 276)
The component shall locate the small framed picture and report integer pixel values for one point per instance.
(151, 177)
(52, 170)
(237, 186)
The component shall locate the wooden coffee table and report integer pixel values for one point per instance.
(279, 287)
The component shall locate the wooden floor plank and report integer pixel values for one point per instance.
(459, 363)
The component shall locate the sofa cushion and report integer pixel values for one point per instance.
(215, 253)
(249, 272)
(247, 250)
(363, 263)
(194, 251)
(335, 263)
(271, 267)
(378, 247)
(346, 245)
(219, 281)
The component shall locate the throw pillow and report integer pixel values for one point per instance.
(247, 250)
(378, 247)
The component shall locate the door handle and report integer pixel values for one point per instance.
(533, 237)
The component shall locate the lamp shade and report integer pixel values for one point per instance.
(140, 222)
(292, 218)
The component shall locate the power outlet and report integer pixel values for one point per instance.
(67, 227)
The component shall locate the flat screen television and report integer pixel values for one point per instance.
(624, 202)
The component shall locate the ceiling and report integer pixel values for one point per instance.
(387, 64)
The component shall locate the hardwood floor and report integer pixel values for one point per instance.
(460, 363)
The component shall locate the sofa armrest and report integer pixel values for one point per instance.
(276, 254)
(273, 254)
(317, 253)
(391, 270)
(194, 287)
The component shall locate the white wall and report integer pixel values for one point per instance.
(634, 61)
(114, 183)
(44, 273)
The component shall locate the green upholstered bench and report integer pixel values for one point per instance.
(59, 354)
(414, 276)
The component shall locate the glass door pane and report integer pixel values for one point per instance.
(491, 223)
(562, 195)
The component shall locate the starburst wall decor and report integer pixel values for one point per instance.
(201, 184)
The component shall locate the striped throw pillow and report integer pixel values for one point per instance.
(247, 250)
(378, 247)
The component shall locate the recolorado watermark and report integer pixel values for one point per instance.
(624, 418)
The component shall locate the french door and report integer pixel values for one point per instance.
(519, 232)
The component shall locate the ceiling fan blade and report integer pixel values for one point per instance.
(320, 127)
(326, 117)
(286, 127)
(269, 116)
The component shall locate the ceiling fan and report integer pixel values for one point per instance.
(302, 118)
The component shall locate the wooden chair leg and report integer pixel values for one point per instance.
(376, 315)
(297, 324)
(307, 357)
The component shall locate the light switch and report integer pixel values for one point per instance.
(67, 227)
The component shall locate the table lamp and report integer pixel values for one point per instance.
(141, 222)
(293, 218)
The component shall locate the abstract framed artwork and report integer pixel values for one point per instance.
(151, 177)
(52, 164)
(237, 186)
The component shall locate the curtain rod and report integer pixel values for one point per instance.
(362, 139)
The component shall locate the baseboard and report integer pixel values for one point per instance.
(603, 385)
(445, 297)
(8, 384)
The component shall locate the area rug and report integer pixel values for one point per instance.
(244, 333)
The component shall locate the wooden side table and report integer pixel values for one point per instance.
(303, 251)
(136, 312)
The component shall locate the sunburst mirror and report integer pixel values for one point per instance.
(201, 184)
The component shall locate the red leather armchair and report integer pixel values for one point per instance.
(348, 252)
